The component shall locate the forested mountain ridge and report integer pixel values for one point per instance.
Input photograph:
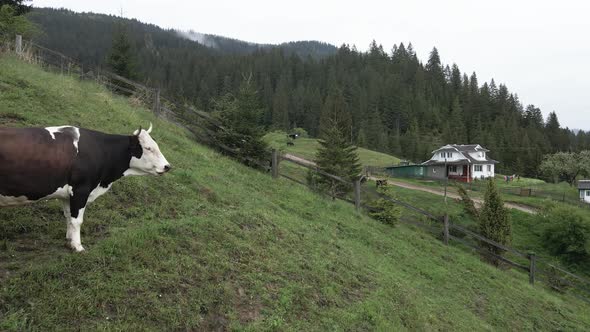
(303, 48)
(398, 104)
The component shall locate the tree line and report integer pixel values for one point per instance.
(396, 103)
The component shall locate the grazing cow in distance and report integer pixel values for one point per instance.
(381, 183)
(293, 135)
(74, 165)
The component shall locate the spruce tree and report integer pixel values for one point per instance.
(494, 223)
(336, 154)
(121, 59)
(241, 127)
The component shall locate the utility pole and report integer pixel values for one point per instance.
(446, 179)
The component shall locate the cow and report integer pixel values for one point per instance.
(71, 164)
(380, 183)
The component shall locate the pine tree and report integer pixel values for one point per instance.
(494, 223)
(457, 123)
(336, 155)
(121, 59)
(241, 119)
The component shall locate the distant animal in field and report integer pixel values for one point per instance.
(293, 135)
(380, 183)
(73, 165)
(290, 143)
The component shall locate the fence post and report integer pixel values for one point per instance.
(446, 229)
(532, 261)
(157, 101)
(19, 45)
(357, 194)
(275, 163)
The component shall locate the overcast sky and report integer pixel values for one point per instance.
(539, 49)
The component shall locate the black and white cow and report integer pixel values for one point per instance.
(74, 165)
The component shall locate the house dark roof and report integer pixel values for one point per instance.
(584, 184)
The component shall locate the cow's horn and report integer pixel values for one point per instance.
(150, 128)
(137, 132)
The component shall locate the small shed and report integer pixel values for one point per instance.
(584, 189)
(407, 171)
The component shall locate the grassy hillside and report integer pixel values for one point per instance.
(215, 245)
(307, 147)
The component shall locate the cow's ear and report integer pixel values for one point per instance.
(135, 146)
(136, 133)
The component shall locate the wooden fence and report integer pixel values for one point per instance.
(537, 268)
(201, 125)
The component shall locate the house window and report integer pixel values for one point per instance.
(446, 154)
(588, 193)
(489, 168)
(453, 168)
(478, 168)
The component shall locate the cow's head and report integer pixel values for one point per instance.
(148, 159)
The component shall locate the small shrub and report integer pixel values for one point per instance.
(385, 210)
(467, 202)
(494, 222)
(567, 234)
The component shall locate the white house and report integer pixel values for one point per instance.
(463, 163)
(584, 189)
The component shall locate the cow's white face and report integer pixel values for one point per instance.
(152, 161)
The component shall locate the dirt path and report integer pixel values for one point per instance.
(478, 202)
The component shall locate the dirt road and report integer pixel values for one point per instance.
(478, 202)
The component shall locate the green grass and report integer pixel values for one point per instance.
(307, 147)
(216, 245)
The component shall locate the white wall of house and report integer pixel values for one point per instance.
(478, 155)
(585, 195)
(482, 171)
(451, 155)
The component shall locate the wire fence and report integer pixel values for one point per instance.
(204, 128)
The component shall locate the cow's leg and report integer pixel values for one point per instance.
(76, 241)
(68, 216)
(77, 206)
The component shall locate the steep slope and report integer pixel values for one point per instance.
(215, 245)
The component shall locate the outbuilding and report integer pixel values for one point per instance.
(584, 189)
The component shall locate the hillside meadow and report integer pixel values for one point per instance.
(215, 245)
